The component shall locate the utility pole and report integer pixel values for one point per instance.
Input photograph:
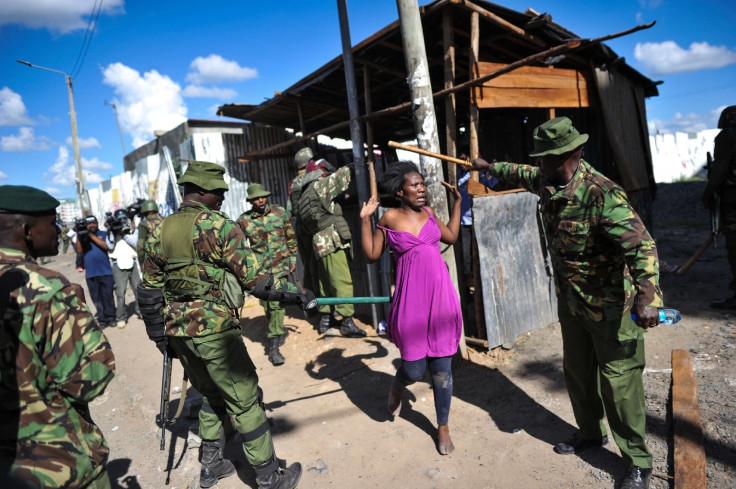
(356, 135)
(81, 190)
(115, 111)
(425, 121)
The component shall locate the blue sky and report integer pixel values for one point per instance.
(161, 62)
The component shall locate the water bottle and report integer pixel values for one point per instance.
(382, 328)
(666, 316)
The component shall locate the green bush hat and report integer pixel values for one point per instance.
(556, 136)
(205, 175)
(256, 190)
(21, 199)
(302, 157)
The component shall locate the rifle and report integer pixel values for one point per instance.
(163, 413)
(714, 206)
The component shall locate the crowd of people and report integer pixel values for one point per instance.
(197, 264)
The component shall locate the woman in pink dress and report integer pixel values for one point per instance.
(425, 321)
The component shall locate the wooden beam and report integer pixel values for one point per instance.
(689, 450)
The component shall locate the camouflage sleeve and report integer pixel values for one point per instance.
(335, 184)
(237, 256)
(524, 176)
(76, 352)
(154, 261)
(624, 227)
(290, 238)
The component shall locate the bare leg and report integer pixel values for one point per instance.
(444, 442)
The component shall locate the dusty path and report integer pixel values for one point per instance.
(328, 400)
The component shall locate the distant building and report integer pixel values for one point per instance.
(681, 155)
(68, 210)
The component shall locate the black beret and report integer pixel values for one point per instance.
(21, 199)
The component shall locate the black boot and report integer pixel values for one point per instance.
(214, 466)
(274, 355)
(324, 323)
(282, 338)
(275, 475)
(349, 329)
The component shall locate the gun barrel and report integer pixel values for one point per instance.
(165, 391)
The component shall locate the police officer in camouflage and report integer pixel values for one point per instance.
(304, 241)
(321, 219)
(272, 239)
(196, 267)
(606, 268)
(722, 181)
(55, 359)
(151, 219)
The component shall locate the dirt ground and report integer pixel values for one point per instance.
(328, 401)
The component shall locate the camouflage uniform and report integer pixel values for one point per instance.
(303, 239)
(328, 245)
(206, 335)
(145, 229)
(56, 360)
(272, 240)
(722, 180)
(605, 261)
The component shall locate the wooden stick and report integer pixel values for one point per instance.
(694, 258)
(424, 152)
(372, 179)
(689, 450)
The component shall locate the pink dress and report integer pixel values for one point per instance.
(425, 318)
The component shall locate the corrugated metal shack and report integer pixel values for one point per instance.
(465, 40)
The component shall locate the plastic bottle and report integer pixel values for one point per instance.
(666, 316)
(382, 328)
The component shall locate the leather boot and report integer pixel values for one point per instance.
(349, 329)
(282, 338)
(324, 323)
(274, 355)
(275, 475)
(214, 466)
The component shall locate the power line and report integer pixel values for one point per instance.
(91, 26)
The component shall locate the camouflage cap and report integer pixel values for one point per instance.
(556, 136)
(205, 175)
(256, 190)
(21, 199)
(302, 157)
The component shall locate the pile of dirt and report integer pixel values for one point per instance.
(328, 401)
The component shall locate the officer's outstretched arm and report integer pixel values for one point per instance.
(266, 290)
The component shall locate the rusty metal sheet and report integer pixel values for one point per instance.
(516, 276)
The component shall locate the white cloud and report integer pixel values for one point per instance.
(84, 143)
(63, 172)
(667, 58)
(685, 123)
(26, 140)
(12, 109)
(145, 103)
(56, 15)
(4, 176)
(215, 69)
(205, 92)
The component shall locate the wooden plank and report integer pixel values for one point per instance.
(689, 450)
(532, 86)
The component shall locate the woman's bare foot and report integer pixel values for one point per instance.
(394, 401)
(444, 442)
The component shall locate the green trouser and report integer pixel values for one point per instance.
(335, 281)
(220, 368)
(603, 364)
(728, 226)
(102, 482)
(275, 317)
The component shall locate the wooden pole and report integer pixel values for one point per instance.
(683, 269)
(689, 451)
(425, 121)
(432, 154)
